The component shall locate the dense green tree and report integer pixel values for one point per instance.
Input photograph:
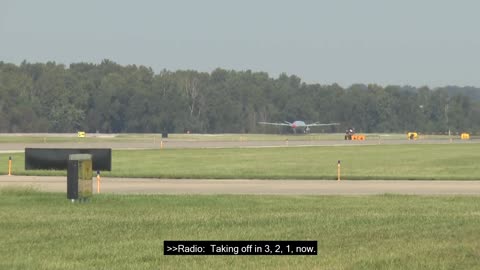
(108, 97)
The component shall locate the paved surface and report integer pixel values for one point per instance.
(283, 187)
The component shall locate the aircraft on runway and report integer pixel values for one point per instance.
(299, 125)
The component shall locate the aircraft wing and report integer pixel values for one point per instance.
(274, 124)
(320, 124)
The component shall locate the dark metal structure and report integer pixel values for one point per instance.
(57, 158)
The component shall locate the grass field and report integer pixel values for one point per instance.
(411, 162)
(46, 231)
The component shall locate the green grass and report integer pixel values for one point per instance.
(46, 231)
(411, 162)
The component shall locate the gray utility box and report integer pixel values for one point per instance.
(79, 177)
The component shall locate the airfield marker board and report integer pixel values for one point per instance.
(56, 158)
(79, 177)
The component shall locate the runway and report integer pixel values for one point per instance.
(258, 187)
(174, 144)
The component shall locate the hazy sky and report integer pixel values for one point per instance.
(414, 42)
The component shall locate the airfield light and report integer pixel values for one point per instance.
(9, 166)
(338, 170)
(98, 181)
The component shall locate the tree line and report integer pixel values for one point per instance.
(111, 98)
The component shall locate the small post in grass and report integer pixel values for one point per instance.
(338, 171)
(161, 144)
(98, 181)
(9, 166)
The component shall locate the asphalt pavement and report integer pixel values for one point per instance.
(230, 186)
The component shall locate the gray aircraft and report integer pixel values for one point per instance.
(299, 125)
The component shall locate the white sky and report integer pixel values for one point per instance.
(408, 42)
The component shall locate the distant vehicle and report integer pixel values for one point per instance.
(299, 125)
(349, 133)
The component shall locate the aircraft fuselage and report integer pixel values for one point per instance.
(300, 125)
